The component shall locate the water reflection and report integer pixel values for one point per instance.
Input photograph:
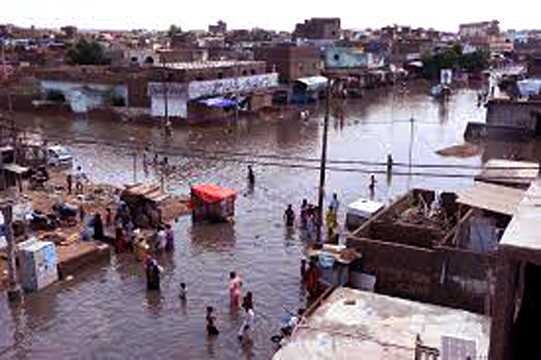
(443, 110)
(41, 307)
(211, 345)
(20, 347)
(206, 236)
(289, 236)
(247, 346)
(154, 302)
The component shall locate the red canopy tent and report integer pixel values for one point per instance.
(211, 202)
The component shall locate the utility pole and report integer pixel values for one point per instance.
(4, 70)
(134, 146)
(410, 149)
(14, 292)
(237, 92)
(323, 163)
(134, 166)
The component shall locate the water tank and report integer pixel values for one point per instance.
(38, 262)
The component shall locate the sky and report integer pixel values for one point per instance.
(275, 14)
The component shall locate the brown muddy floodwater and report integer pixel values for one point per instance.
(105, 311)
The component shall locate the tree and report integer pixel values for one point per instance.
(174, 30)
(87, 53)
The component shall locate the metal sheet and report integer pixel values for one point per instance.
(509, 172)
(523, 230)
(496, 198)
(15, 168)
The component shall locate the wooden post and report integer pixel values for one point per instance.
(323, 163)
(14, 291)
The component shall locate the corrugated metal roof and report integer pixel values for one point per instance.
(524, 230)
(314, 83)
(148, 191)
(509, 172)
(15, 168)
(496, 198)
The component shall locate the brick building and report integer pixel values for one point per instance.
(290, 62)
(318, 29)
(220, 27)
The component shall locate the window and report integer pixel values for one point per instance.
(244, 73)
(199, 78)
(220, 75)
(253, 72)
(134, 59)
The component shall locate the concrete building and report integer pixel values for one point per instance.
(517, 116)
(290, 62)
(350, 58)
(515, 321)
(500, 44)
(196, 81)
(219, 27)
(318, 28)
(479, 29)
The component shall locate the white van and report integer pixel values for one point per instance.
(59, 156)
(360, 211)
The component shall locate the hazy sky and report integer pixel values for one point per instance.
(273, 14)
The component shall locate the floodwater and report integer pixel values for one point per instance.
(105, 312)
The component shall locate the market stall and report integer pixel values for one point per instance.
(211, 202)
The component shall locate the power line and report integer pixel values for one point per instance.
(191, 152)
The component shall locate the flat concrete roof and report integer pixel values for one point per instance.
(524, 231)
(353, 324)
(497, 198)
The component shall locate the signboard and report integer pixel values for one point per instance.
(173, 89)
(244, 84)
(208, 88)
(446, 76)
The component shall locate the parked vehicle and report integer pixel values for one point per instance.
(59, 156)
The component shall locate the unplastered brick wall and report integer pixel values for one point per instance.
(405, 233)
(399, 268)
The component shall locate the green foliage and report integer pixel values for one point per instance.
(454, 58)
(111, 98)
(476, 61)
(87, 53)
(174, 30)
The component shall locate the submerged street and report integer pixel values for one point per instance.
(105, 311)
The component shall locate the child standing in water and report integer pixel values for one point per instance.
(211, 322)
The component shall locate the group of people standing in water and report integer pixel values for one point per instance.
(235, 294)
(309, 217)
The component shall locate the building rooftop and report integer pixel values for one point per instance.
(509, 172)
(200, 65)
(523, 230)
(353, 322)
(495, 198)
